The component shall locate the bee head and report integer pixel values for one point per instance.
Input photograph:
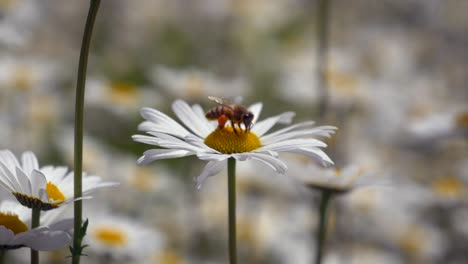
(247, 119)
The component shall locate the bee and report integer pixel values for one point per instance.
(227, 110)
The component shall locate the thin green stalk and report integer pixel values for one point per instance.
(321, 234)
(79, 113)
(2, 256)
(323, 12)
(35, 221)
(232, 210)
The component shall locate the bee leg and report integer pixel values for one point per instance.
(234, 127)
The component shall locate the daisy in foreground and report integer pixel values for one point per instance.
(15, 232)
(217, 142)
(44, 188)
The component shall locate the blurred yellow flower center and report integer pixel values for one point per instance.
(448, 186)
(123, 93)
(12, 222)
(413, 241)
(226, 141)
(54, 193)
(462, 119)
(23, 79)
(110, 236)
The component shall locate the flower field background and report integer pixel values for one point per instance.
(396, 88)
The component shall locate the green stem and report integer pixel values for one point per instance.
(232, 210)
(2, 256)
(323, 12)
(35, 221)
(79, 113)
(321, 234)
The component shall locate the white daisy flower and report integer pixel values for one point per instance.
(332, 179)
(122, 238)
(45, 188)
(15, 232)
(215, 145)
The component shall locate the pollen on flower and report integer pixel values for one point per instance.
(226, 141)
(54, 193)
(12, 222)
(110, 236)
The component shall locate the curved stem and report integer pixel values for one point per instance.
(35, 221)
(323, 12)
(79, 113)
(232, 210)
(321, 234)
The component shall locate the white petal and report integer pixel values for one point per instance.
(263, 126)
(43, 196)
(317, 131)
(29, 161)
(55, 174)
(24, 181)
(158, 154)
(10, 177)
(49, 240)
(62, 225)
(291, 144)
(315, 153)
(9, 160)
(4, 180)
(166, 141)
(191, 120)
(256, 109)
(38, 183)
(198, 110)
(161, 123)
(212, 156)
(89, 189)
(6, 235)
(273, 162)
(211, 169)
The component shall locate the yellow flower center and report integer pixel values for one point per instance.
(110, 236)
(12, 222)
(413, 241)
(227, 141)
(123, 93)
(54, 193)
(448, 186)
(23, 79)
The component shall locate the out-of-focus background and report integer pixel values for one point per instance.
(397, 89)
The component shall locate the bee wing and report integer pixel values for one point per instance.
(221, 101)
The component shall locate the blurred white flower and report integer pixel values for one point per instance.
(331, 179)
(15, 232)
(45, 188)
(122, 238)
(298, 81)
(431, 128)
(193, 84)
(119, 97)
(211, 143)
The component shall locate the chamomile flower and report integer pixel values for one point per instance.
(15, 232)
(45, 188)
(122, 238)
(214, 144)
(331, 179)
